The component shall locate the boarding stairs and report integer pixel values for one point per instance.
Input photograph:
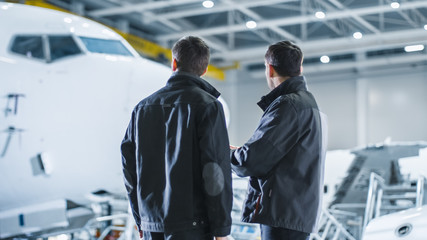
(385, 199)
(334, 225)
(382, 199)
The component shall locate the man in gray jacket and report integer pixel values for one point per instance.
(285, 156)
(175, 155)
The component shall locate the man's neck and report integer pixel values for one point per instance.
(279, 80)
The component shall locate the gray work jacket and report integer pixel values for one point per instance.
(285, 160)
(175, 157)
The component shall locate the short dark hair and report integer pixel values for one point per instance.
(191, 54)
(285, 57)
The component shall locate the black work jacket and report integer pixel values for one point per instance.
(175, 157)
(285, 159)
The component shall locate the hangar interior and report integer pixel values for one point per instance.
(358, 50)
(364, 60)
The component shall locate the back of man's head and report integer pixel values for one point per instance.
(191, 54)
(285, 57)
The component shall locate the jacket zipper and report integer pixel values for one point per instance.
(257, 205)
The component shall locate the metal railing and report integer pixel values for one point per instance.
(126, 231)
(330, 228)
(93, 230)
(420, 191)
(379, 191)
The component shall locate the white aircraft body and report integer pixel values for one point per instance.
(67, 88)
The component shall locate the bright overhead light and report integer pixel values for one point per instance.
(320, 15)
(251, 24)
(425, 27)
(325, 59)
(414, 48)
(208, 4)
(395, 5)
(357, 35)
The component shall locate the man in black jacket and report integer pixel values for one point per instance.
(285, 156)
(175, 154)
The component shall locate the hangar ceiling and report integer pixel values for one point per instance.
(351, 33)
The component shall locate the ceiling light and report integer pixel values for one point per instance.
(395, 5)
(357, 35)
(320, 15)
(208, 4)
(425, 27)
(414, 48)
(251, 24)
(325, 59)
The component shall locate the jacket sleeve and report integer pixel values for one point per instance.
(129, 168)
(276, 134)
(216, 170)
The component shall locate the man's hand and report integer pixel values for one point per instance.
(221, 238)
(233, 147)
(140, 234)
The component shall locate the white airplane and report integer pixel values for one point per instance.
(67, 88)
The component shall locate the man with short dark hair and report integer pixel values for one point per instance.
(175, 155)
(285, 156)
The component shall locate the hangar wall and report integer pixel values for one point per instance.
(398, 107)
(363, 107)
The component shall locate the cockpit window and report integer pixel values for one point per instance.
(62, 46)
(97, 45)
(29, 46)
(48, 48)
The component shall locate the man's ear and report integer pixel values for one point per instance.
(206, 70)
(174, 64)
(271, 71)
(301, 69)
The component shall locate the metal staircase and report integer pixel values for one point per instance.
(382, 199)
(385, 199)
(334, 226)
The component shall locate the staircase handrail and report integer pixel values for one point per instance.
(376, 188)
(420, 190)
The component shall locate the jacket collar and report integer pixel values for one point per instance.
(180, 78)
(291, 85)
